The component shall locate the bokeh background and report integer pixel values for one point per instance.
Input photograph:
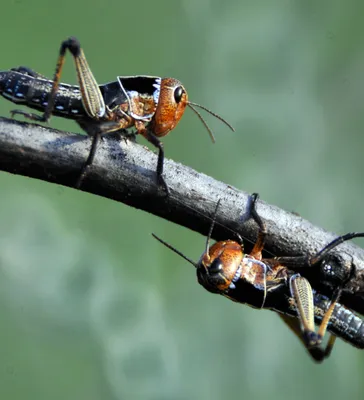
(91, 307)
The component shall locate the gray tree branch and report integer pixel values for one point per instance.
(125, 171)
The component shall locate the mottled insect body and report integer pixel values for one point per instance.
(343, 322)
(126, 100)
(150, 105)
(23, 86)
(224, 268)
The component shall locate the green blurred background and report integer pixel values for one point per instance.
(91, 307)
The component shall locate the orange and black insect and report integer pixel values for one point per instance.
(268, 283)
(150, 105)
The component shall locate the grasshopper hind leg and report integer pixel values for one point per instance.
(28, 115)
(317, 353)
(304, 325)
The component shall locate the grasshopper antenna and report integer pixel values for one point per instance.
(192, 107)
(211, 229)
(207, 240)
(175, 250)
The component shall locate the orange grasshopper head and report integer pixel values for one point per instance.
(220, 266)
(173, 100)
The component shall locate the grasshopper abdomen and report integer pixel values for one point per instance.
(343, 322)
(24, 86)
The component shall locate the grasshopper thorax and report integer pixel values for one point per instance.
(220, 267)
(171, 105)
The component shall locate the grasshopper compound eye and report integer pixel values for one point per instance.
(216, 267)
(178, 93)
(220, 266)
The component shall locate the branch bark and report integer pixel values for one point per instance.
(125, 171)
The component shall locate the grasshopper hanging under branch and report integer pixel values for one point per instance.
(269, 283)
(150, 105)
